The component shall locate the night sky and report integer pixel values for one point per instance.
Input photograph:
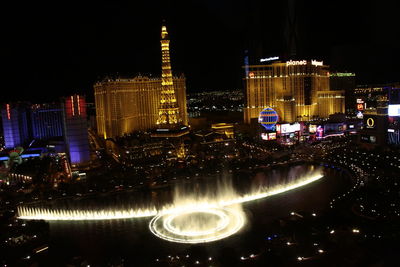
(54, 50)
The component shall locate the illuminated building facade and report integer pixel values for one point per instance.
(374, 99)
(168, 111)
(15, 125)
(142, 103)
(47, 121)
(226, 129)
(380, 101)
(345, 81)
(127, 105)
(298, 90)
(76, 129)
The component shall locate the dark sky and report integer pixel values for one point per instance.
(51, 50)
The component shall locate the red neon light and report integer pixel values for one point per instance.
(79, 105)
(72, 105)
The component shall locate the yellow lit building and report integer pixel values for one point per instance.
(297, 89)
(127, 105)
(224, 128)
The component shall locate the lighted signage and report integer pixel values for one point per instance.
(390, 130)
(368, 139)
(320, 131)
(360, 101)
(312, 128)
(360, 106)
(370, 123)
(360, 115)
(296, 62)
(304, 62)
(394, 110)
(344, 74)
(268, 136)
(268, 59)
(264, 136)
(351, 126)
(290, 128)
(272, 136)
(251, 74)
(278, 128)
(317, 63)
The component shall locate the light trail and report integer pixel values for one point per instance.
(36, 213)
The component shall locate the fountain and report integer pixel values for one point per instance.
(190, 218)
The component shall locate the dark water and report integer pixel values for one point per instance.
(110, 241)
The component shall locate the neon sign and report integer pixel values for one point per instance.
(317, 63)
(296, 62)
(370, 123)
(304, 62)
(268, 59)
(8, 111)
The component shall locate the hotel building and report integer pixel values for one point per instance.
(142, 103)
(47, 121)
(75, 129)
(15, 124)
(345, 81)
(298, 90)
(127, 105)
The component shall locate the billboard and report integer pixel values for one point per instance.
(394, 110)
(320, 131)
(268, 136)
(371, 139)
(289, 128)
(312, 128)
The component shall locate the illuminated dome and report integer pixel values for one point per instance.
(268, 118)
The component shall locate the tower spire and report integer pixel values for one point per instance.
(168, 112)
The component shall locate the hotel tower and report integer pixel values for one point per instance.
(298, 90)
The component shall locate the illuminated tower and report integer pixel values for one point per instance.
(168, 112)
(15, 124)
(76, 130)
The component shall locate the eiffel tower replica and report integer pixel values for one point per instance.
(169, 121)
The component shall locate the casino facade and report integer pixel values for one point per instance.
(298, 90)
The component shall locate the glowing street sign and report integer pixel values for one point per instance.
(268, 59)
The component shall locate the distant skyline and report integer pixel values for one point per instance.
(59, 49)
